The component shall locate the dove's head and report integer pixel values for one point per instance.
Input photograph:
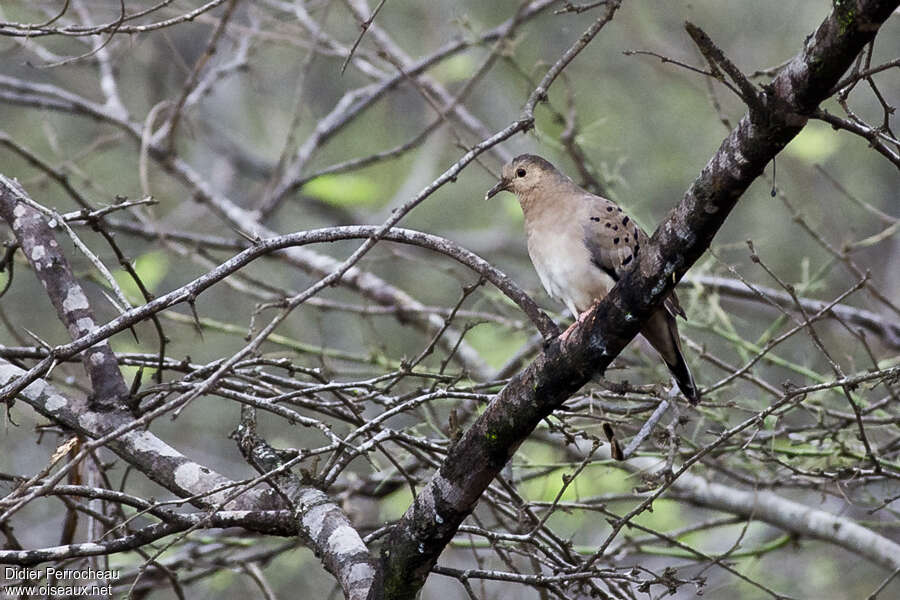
(524, 175)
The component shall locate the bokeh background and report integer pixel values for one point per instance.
(646, 128)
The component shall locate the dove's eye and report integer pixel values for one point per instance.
(520, 173)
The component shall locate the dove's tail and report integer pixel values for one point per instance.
(684, 379)
(662, 333)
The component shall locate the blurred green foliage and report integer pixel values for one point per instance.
(647, 127)
(344, 190)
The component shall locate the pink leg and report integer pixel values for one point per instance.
(565, 334)
(578, 321)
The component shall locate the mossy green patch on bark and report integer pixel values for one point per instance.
(845, 12)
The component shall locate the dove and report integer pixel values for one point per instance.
(581, 244)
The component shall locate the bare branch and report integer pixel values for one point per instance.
(67, 295)
(415, 543)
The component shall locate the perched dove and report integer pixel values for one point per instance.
(581, 244)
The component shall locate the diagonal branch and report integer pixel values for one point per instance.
(149, 454)
(418, 539)
(320, 521)
(50, 265)
(716, 59)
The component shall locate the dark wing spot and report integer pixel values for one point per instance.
(613, 275)
(615, 240)
(625, 221)
(627, 260)
(620, 210)
(636, 248)
(597, 219)
(608, 224)
(615, 227)
(626, 239)
(597, 255)
(609, 209)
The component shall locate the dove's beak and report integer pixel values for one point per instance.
(502, 185)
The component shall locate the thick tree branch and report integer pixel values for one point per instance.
(321, 522)
(146, 452)
(272, 522)
(50, 265)
(788, 515)
(418, 539)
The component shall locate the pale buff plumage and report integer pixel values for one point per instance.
(581, 244)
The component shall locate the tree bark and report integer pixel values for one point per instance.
(777, 115)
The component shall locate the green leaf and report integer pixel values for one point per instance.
(511, 208)
(344, 190)
(151, 267)
(495, 343)
(456, 68)
(814, 144)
